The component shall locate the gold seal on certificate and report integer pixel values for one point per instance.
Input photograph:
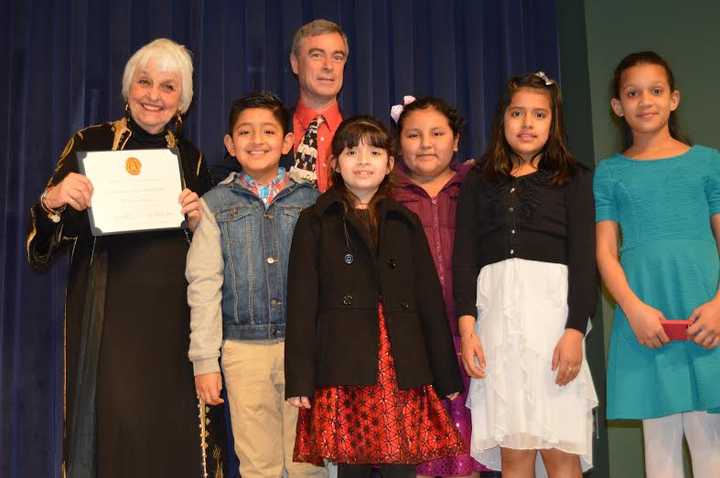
(134, 190)
(133, 166)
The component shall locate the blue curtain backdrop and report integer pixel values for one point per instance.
(62, 63)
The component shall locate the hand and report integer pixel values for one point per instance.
(473, 357)
(74, 190)
(300, 402)
(645, 323)
(567, 356)
(705, 329)
(190, 203)
(208, 387)
(452, 396)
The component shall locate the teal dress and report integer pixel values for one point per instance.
(670, 258)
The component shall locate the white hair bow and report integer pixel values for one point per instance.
(544, 77)
(396, 110)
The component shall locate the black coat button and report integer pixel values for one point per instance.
(404, 306)
(392, 263)
(347, 300)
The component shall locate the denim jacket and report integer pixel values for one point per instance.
(237, 267)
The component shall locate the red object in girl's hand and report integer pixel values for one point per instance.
(676, 329)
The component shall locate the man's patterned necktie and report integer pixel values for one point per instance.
(304, 169)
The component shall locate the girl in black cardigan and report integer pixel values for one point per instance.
(367, 342)
(524, 265)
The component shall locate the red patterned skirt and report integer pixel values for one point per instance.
(376, 423)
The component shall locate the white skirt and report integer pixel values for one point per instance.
(522, 310)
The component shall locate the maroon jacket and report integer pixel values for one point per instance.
(438, 219)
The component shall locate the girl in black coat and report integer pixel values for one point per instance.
(367, 342)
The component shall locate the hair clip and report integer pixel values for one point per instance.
(397, 110)
(544, 77)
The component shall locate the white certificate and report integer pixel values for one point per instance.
(133, 190)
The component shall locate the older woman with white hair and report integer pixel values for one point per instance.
(130, 406)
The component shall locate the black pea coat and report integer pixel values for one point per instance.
(336, 278)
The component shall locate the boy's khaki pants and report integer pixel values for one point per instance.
(263, 423)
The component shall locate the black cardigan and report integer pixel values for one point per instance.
(527, 217)
(332, 324)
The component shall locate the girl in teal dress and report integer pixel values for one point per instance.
(658, 221)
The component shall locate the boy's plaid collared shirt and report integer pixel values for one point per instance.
(266, 192)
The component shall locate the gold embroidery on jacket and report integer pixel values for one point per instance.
(218, 461)
(202, 416)
(170, 139)
(31, 235)
(69, 147)
(122, 134)
(204, 435)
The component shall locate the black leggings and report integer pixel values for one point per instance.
(365, 471)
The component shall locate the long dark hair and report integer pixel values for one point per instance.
(498, 160)
(643, 58)
(350, 133)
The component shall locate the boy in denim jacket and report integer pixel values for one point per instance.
(237, 274)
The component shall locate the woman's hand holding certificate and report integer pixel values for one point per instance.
(75, 190)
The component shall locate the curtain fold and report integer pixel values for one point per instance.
(62, 65)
